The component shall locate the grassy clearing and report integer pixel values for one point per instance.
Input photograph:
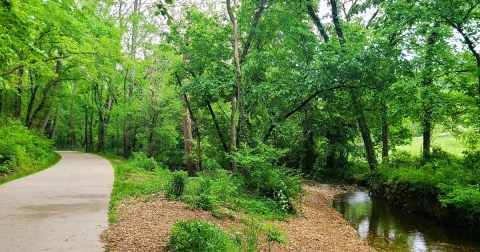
(51, 161)
(446, 142)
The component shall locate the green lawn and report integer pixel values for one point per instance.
(446, 142)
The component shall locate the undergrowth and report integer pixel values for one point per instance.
(22, 151)
(262, 189)
(447, 179)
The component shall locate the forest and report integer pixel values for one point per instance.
(245, 100)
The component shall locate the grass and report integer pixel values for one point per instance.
(446, 142)
(132, 181)
(54, 158)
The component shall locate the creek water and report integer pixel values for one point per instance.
(387, 228)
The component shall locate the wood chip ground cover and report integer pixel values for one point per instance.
(144, 224)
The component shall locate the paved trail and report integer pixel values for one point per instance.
(63, 208)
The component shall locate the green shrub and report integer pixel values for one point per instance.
(21, 148)
(464, 198)
(278, 183)
(211, 167)
(263, 176)
(200, 236)
(222, 213)
(225, 186)
(249, 234)
(201, 195)
(176, 185)
(274, 234)
(141, 160)
(472, 160)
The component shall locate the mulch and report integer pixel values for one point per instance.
(144, 224)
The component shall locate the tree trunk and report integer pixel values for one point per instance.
(364, 131)
(187, 133)
(336, 21)
(151, 136)
(85, 138)
(239, 101)
(57, 85)
(101, 133)
(233, 147)
(427, 98)
(126, 153)
(71, 119)
(71, 124)
(385, 147)
(368, 144)
(199, 149)
(34, 90)
(18, 99)
(90, 132)
(51, 135)
(217, 127)
(43, 126)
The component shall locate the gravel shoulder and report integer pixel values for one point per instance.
(144, 224)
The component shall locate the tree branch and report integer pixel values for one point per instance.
(301, 105)
(317, 22)
(32, 62)
(251, 34)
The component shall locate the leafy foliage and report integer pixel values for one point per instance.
(176, 185)
(200, 236)
(20, 148)
(465, 199)
(261, 175)
(141, 160)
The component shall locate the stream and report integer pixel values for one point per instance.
(389, 229)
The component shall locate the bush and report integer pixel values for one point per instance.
(225, 186)
(211, 167)
(141, 160)
(264, 177)
(200, 236)
(465, 199)
(21, 148)
(176, 185)
(202, 196)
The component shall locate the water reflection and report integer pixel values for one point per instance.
(389, 229)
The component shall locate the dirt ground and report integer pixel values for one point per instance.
(144, 224)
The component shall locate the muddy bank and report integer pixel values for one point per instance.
(145, 224)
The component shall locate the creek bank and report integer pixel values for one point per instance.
(423, 200)
(388, 228)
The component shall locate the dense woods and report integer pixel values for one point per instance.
(270, 90)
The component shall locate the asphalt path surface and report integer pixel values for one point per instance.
(62, 208)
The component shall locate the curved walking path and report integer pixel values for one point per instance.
(63, 208)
